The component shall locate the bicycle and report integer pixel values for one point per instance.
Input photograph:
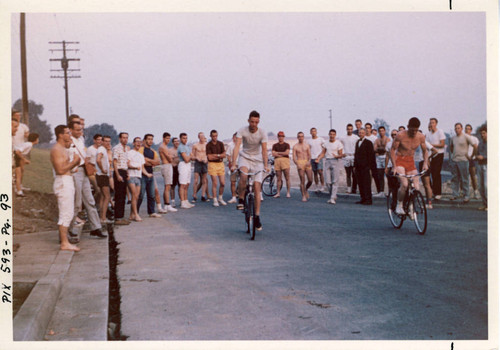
(249, 203)
(269, 185)
(413, 205)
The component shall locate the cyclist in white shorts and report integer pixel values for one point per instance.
(252, 158)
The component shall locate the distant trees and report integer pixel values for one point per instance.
(35, 123)
(381, 122)
(103, 129)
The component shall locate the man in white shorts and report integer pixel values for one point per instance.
(333, 153)
(184, 171)
(252, 158)
(167, 170)
(64, 187)
(316, 143)
(349, 142)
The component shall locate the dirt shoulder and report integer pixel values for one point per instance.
(37, 212)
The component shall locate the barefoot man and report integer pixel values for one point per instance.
(167, 170)
(405, 144)
(64, 187)
(302, 159)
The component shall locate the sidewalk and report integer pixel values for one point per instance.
(69, 300)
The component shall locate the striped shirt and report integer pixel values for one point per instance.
(120, 154)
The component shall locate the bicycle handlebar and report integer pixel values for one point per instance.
(409, 176)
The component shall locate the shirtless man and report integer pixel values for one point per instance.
(167, 170)
(200, 168)
(302, 159)
(252, 159)
(405, 144)
(175, 170)
(64, 187)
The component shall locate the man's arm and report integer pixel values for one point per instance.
(264, 155)
(98, 160)
(294, 154)
(423, 146)
(394, 148)
(164, 151)
(186, 158)
(236, 151)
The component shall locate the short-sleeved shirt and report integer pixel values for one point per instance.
(136, 160)
(104, 161)
(251, 143)
(419, 155)
(183, 149)
(218, 148)
(350, 144)
(24, 148)
(475, 142)
(435, 137)
(18, 138)
(332, 148)
(460, 147)
(372, 138)
(78, 148)
(148, 153)
(316, 146)
(388, 153)
(92, 154)
(120, 155)
(282, 147)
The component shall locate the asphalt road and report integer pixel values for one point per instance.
(315, 272)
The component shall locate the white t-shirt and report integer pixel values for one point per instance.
(316, 146)
(419, 155)
(251, 143)
(92, 154)
(136, 160)
(230, 149)
(18, 138)
(24, 148)
(435, 138)
(349, 143)
(372, 138)
(78, 148)
(475, 142)
(332, 148)
(388, 152)
(104, 161)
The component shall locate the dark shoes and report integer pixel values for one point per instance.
(364, 202)
(97, 233)
(258, 224)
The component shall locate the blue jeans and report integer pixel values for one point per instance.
(460, 178)
(482, 179)
(147, 185)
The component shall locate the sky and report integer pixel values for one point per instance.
(191, 72)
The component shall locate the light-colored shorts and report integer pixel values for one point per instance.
(253, 166)
(184, 173)
(380, 162)
(216, 168)
(134, 181)
(281, 163)
(303, 164)
(348, 161)
(64, 189)
(167, 171)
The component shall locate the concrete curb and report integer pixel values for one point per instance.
(33, 318)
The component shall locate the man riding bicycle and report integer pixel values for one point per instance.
(252, 159)
(405, 144)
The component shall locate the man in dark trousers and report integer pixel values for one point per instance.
(364, 161)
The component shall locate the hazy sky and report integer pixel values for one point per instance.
(190, 72)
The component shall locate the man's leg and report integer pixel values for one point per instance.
(328, 173)
(455, 189)
(287, 179)
(257, 187)
(78, 180)
(302, 184)
(464, 178)
(222, 185)
(196, 184)
(150, 190)
(204, 187)
(279, 181)
(89, 204)
(106, 196)
(120, 194)
(483, 182)
(142, 192)
(436, 165)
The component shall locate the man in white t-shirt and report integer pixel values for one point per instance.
(135, 170)
(472, 163)
(333, 153)
(18, 139)
(316, 144)
(349, 142)
(436, 138)
(83, 192)
(91, 158)
(234, 175)
(102, 176)
(252, 159)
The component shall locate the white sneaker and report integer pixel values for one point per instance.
(348, 190)
(171, 208)
(221, 201)
(331, 201)
(477, 195)
(185, 205)
(155, 215)
(216, 203)
(172, 204)
(161, 210)
(232, 200)
(399, 209)
(380, 194)
(261, 197)
(438, 197)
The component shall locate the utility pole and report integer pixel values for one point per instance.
(65, 67)
(331, 120)
(24, 72)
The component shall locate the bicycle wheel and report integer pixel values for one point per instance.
(396, 220)
(419, 212)
(251, 216)
(269, 186)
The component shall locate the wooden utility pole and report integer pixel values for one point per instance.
(65, 68)
(24, 72)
